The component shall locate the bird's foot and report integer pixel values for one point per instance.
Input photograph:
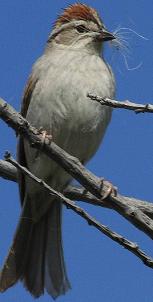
(107, 189)
(45, 135)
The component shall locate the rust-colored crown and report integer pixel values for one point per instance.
(78, 11)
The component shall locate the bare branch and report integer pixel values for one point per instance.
(70, 163)
(9, 172)
(74, 167)
(138, 108)
(77, 193)
(129, 245)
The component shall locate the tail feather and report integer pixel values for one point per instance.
(56, 280)
(33, 277)
(14, 264)
(36, 256)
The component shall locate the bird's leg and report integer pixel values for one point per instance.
(107, 188)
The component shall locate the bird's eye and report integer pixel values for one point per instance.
(81, 28)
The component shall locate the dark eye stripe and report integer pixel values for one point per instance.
(81, 28)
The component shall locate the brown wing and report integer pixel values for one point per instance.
(20, 147)
(27, 95)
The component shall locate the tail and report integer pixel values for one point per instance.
(36, 255)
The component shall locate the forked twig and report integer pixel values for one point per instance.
(129, 245)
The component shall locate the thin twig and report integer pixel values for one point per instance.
(137, 108)
(129, 245)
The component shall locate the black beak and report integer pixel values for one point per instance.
(106, 35)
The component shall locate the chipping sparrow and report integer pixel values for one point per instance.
(55, 98)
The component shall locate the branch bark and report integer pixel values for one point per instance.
(77, 193)
(9, 172)
(137, 214)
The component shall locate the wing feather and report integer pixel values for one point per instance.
(20, 146)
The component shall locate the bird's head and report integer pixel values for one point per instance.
(79, 26)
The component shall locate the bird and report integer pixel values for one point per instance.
(55, 100)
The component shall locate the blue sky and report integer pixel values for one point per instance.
(98, 268)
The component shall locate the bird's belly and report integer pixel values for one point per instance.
(76, 123)
(77, 128)
(82, 130)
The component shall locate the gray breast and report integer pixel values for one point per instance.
(60, 105)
